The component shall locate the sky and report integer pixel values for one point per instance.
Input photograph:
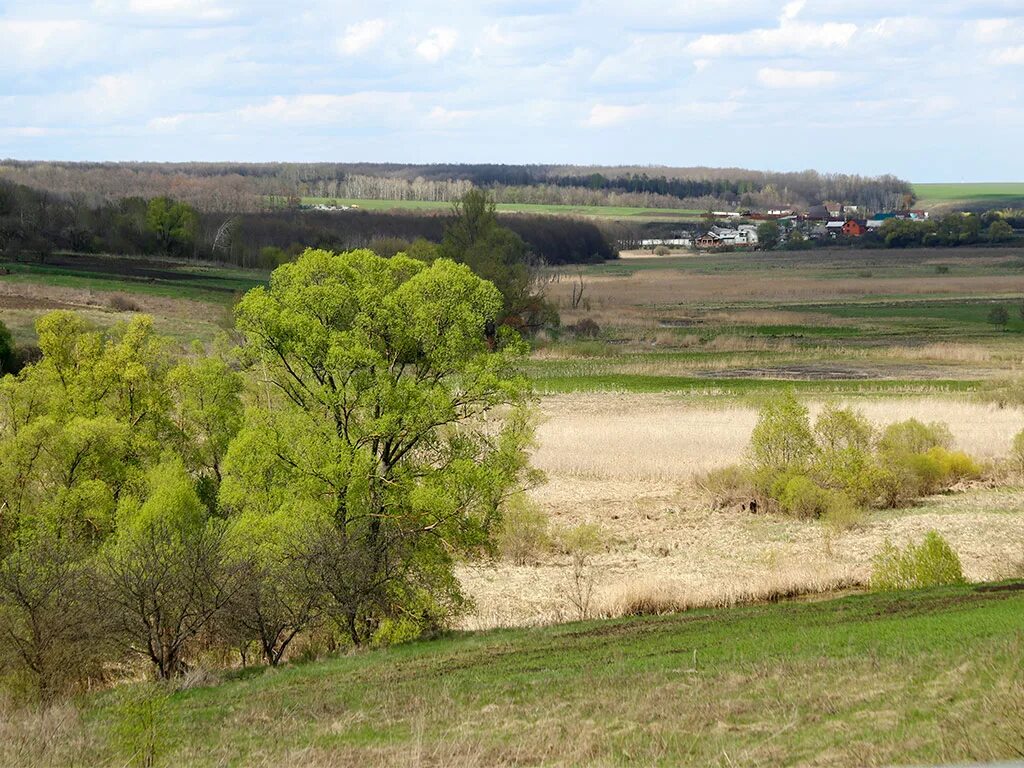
(930, 90)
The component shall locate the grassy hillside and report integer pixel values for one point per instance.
(923, 677)
(984, 195)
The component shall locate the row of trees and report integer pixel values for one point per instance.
(34, 223)
(244, 188)
(949, 230)
(323, 477)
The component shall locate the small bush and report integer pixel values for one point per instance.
(930, 563)
(956, 466)
(998, 316)
(842, 513)
(121, 303)
(913, 436)
(523, 535)
(585, 329)
(802, 497)
(942, 269)
(727, 486)
(661, 250)
(782, 440)
(1017, 452)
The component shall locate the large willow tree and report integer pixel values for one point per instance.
(386, 433)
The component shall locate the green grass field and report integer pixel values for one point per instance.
(595, 211)
(990, 195)
(913, 678)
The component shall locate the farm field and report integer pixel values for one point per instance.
(924, 677)
(593, 211)
(688, 348)
(632, 463)
(988, 195)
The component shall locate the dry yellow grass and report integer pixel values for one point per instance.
(651, 287)
(626, 463)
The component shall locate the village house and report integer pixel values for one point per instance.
(854, 228)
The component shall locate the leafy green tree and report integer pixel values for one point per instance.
(998, 315)
(782, 440)
(173, 224)
(1000, 231)
(768, 235)
(499, 255)
(165, 569)
(385, 424)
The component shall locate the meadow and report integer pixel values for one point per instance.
(778, 656)
(594, 211)
(924, 677)
(989, 195)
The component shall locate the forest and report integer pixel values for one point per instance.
(34, 223)
(245, 187)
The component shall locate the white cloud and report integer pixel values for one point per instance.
(361, 36)
(326, 108)
(771, 77)
(792, 10)
(1009, 56)
(194, 10)
(605, 115)
(46, 44)
(437, 44)
(788, 37)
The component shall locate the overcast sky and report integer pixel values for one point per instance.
(927, 89)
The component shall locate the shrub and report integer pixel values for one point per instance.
(998, 316)
(802, 497)
(661, 250)
(523, 535)
(913, 436)
(930, 563)
(121, 303)
(727, 486)
(956, 466)
(839, 429)
(585, 329)
(782, 440)
(842, 513)
(1017, 453)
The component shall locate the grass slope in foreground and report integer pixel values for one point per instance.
(920, 677)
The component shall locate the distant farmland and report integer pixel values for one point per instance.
(972, 195)
(594, 211)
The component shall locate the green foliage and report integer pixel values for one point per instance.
(782, 440)
(391, 425)
(173, 224)
(998, 315)
(499, 255)
(802, 497)
(768, 235)
(140, 725)
(999, 231)
(523, 535)
(930, 563)
(913, 436)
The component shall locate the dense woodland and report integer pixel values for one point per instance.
(36, 222)
(245, 187)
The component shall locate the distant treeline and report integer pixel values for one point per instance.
(34, 223)
(245, 187)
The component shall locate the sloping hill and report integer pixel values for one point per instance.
(921, 677)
